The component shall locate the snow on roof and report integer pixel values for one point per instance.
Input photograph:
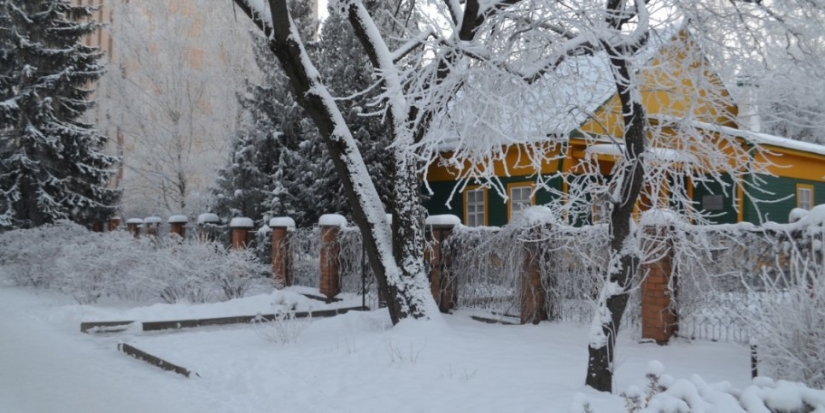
(241, 222)
(281, 222)
(501, 111)
(754, 137)
(178, 219)
(208, 218)
(657, 154)
(332, 220)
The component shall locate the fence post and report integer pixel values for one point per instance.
(659, 322)
(439, 228)
(240, 227)
(177, 225)
(152, 225)
(114, 223)
(133, 226)
(330, 225)
(282, 228)
(533, 294)
(204, 220)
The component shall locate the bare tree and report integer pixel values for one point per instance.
(170, 92)
(478, 76)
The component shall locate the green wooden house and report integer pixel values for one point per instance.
(677, 83)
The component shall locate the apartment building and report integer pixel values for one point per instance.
(168, 101)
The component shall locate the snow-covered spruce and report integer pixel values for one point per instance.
(55, 169)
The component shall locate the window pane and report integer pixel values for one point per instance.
(475, 207)
(520, 199)
(804, 198)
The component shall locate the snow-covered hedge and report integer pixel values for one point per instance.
(665, 394)
(89, 265)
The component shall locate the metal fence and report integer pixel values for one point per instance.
(727, 275)
(486, 267)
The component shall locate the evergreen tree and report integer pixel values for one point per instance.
(51, 161)
(292, 162)
(347, 71)
(276, 166)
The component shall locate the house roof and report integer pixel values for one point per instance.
(501, 111)
(757, 138)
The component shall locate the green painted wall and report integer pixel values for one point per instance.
(496, 207)
(727, 215)
(776, 205)
(772, 207)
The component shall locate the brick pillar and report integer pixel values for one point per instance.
(659, 321)
(282, 229)
(439, 228)
(533, 294)
(97, 226)
(114, 224)
(133, 226)
(241, 234)
(330, 283)
(177, 225)
(205, 221)
(152, 225)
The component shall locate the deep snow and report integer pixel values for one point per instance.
(354, 362)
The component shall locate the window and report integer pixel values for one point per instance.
(474, 207)
(804, 196)
(520, 199)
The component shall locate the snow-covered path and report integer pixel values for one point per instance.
(350, 363)
(44, 369)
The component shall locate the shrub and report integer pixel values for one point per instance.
(88, 265)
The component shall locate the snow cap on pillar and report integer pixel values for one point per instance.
(136, 221)
(178, 219)
(152, 220)
(241, 222)
(446, 220)
(282, 222)
(332, 220)
(208, 218)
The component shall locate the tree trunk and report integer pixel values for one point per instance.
(613, 298)
(396, 255)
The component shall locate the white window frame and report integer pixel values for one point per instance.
(801, 202)
(475, 209)
(521, 198)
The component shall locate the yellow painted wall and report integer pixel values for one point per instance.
(516, 160)
(676, 82)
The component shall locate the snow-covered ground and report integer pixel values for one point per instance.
(350, 363)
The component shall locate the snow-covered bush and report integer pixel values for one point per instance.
(306, 245)
(666, 394)
(764, 395)
(762, 285)
(285, 328)
(787, 316)
(201, 272)
(88, 265)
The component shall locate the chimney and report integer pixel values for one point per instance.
(748, 109)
